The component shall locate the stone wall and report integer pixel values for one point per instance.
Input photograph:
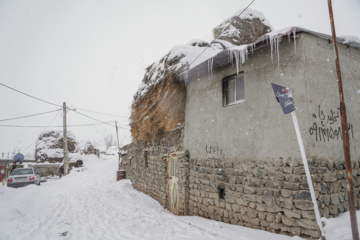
(271, 196)
(146, 164)
(45, 170)
(268, 195)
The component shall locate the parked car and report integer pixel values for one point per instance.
(22, 177)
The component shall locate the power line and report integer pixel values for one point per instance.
(43, 131)
(98, 120)
(30, 95)
(220, 34)
(76, 125)
(113, 115)
(8, 119)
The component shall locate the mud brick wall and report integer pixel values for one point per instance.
(146, 164)
(269, 195)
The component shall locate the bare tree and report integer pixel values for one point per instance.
(109, 141)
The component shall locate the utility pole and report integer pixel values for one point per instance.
(66, 158)
(346, 142)
(117, 137)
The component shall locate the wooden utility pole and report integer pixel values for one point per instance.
(117, 137)
(65, 144)
(346, 142)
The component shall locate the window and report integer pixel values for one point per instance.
(146, 158)
(234, 89)
(221, 192)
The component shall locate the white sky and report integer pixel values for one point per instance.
(92, 54)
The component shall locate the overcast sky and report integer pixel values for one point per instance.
(92, 54)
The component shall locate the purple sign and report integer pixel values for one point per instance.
(284, 97)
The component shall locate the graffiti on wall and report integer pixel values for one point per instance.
(214, 151)
(327, 126)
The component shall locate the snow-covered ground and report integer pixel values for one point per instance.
(92, 205)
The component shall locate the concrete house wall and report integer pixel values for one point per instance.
(258, 129)
(245, 165)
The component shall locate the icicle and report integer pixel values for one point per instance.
(252, 48)
(210, 66)
(271, 47)
(243, 55)
(237, 60)
(288, 35)
(231, 59)
(186, 77)
(294, 34)
(278, 51)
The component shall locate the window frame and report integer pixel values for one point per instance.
(225, 83)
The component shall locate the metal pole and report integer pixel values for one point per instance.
(308, 176)
(65, 147)
(346, 142)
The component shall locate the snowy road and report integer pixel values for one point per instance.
(92, 205)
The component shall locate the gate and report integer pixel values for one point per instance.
(177, 183)
(173, 186)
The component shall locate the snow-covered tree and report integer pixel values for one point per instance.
(49, 146)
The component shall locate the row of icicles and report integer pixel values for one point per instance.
(241, 55)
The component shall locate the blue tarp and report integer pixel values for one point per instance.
(19, 157)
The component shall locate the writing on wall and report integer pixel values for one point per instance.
(214, 151)
(327, 126)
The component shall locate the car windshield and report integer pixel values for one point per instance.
(23, 171)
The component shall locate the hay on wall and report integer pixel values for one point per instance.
(159, 104)
(160, 110)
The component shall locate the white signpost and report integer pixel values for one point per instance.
(284, 97)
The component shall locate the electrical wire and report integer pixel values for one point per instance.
(113, 115)
(30, 95)
(220, 34)
(76, 125)
(8, 119)
(43, 131)
(97, 120)
(57, 104)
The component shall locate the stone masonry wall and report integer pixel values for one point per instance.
(269, 195)
(45, 170)
(146, 164)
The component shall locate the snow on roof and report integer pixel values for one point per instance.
(187, 55)
(273, 38)
(196, 51)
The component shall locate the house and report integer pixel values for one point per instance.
(237, 159)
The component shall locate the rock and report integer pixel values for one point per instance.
(303, 205)
(292, 213)
(269, 201)
(309, 215)
(335, 198)
(302, 195)
(330, 177)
